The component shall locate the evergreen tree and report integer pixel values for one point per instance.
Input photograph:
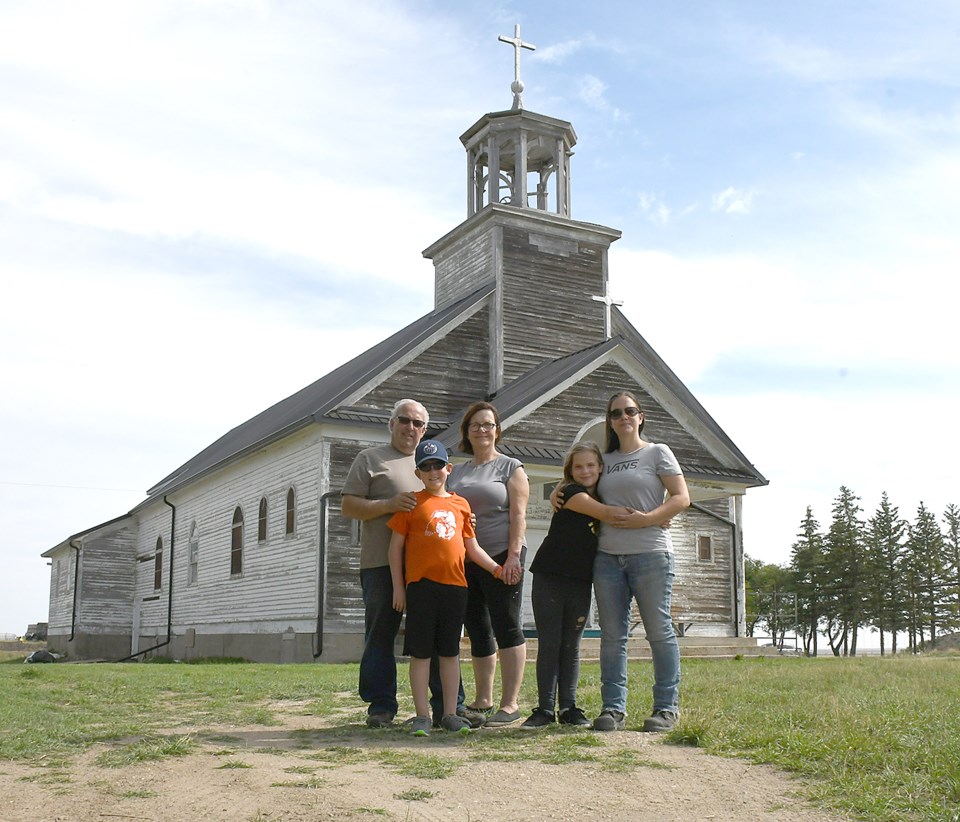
(951, 544)
(807, 569)
(846, 572)
(926, 574)
(886, 607)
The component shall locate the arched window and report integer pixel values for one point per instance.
(236, 543)
(262, 521)
(291, 512)
(158, 565)
(193, 555)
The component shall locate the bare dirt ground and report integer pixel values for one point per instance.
(335, 769)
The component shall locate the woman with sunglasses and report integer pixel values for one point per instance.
(635, 561)
(497, 489)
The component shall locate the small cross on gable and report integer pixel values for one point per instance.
(608, 301)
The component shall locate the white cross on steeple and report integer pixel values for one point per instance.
(516, 86)
(607, 300)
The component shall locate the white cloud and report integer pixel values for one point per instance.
(656, 211)
(591, 91)
(733, 201)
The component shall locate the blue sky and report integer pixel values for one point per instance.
(204, 206)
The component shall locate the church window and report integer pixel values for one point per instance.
(262, 521)
(704, 548)
(291, 512)
(193, 555)
(236, 543)
(158, 565)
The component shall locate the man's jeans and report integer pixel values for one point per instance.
(378, 665)
(618, 578)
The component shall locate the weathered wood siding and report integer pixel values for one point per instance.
(343, 599)
(465, 267)
(60, 615)
(105, 604)
(278, 584)
(547, 305)
(703, 591)
(446, 377)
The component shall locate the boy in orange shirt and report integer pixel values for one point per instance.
(429, 544)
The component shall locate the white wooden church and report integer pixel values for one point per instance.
(242, 551)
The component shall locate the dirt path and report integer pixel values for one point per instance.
(307, 770)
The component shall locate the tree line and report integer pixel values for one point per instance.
(883, 573)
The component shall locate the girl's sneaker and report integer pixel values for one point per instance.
(574, 716)
(539, 719)
(421, 726)
(457, 724)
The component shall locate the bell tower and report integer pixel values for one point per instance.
(550, 271)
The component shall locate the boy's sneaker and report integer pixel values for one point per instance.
(379, 719)
(421, 726)
(660, 721)
(457, 724)
(574, 716)
(539, 719)
(609, 720)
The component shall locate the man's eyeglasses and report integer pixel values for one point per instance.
(630, 411)
(432, 465)
(486, 427)
(418, 424)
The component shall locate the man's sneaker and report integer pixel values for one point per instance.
(474, 717)
(454, 723)
(379, 719)
(609, 721)
(421, 726)
(539, 719)
(660, 721)
(574, 716)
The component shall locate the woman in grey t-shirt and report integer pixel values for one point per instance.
(635, 561)
(497, 489)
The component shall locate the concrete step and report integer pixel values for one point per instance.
(691, 647)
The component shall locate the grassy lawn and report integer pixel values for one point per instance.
(876, 737)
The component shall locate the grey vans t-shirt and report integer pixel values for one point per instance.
(633, 480)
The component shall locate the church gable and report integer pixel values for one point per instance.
(558, 423)
(446, 377)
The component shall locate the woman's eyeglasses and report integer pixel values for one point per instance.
(418, 424)
(486, 427)
(630, 411)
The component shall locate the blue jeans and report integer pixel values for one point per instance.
(378, 665)
(618, 578)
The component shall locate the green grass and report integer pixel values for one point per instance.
(878, 738)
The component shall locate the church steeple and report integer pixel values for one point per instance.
(550, 271)
(517, 157)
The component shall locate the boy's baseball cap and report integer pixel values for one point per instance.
(430, 450)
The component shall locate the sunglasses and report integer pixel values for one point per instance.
(432, 465)
(630, 411)
(418, 424)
